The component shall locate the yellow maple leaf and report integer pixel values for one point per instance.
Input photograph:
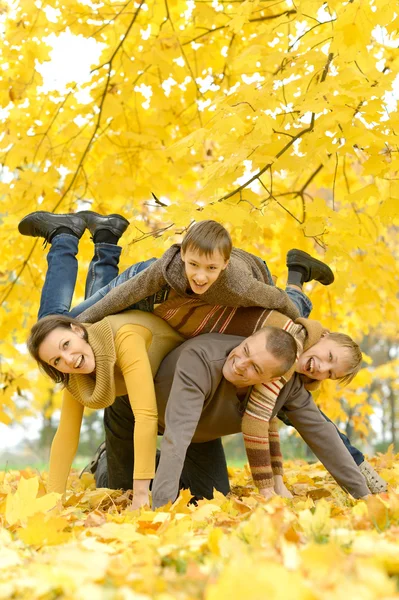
(24, 503)
(44, 530)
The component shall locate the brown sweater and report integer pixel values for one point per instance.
(193, 317)
(245, 282)
(197, 404)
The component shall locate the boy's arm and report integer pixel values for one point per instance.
(323, 439)
(65, 443)
(144, 284)
(270, 297)
(255, 428)
(191, 386)
(277, 460)
(275, 449)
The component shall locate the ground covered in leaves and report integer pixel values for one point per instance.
(320, 545)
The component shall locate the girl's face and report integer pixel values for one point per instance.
(67, 351)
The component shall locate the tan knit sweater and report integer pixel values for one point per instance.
(128, 350)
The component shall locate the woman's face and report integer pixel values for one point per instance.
(67, 351)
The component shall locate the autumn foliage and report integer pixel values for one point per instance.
(314, 547)
(278, 119)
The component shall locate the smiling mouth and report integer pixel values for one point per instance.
(200, 285)
(233, 366)
(310, 366)
(80, 362)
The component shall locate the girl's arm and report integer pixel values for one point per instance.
(132, 358)
(65, 443)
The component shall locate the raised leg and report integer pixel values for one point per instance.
(146, 304)
(60, 281)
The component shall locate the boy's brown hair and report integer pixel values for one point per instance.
(207, 236)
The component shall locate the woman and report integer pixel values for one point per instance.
(116, 356)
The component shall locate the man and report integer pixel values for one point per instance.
(196, 387)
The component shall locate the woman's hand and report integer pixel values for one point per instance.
(280, 488)
(141, 488)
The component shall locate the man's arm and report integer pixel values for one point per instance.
(144, 284)
(191, 386)
(323, 439)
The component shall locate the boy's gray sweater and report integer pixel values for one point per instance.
(244, 282)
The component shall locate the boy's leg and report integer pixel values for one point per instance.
(61, 276)
(105, 232)
(63, 232)
(357, 456)
(130, 272)
(375, 483)
(298, 297)
(103, 267)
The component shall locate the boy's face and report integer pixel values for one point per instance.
(201, 270)
(324, 360)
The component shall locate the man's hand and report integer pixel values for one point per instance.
(280, 487)
(141, 489)
(267, 492)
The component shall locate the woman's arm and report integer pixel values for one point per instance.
(132, 359)
(65, 443)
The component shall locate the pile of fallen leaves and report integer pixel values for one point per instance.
(319, 545)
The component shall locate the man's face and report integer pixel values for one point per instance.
(201, 270)
(250, 363)
(324, 360)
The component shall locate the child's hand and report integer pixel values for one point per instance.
(280, 487)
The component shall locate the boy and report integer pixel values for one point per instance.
(205, 265)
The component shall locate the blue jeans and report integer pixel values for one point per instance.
(301, 301)
(62, 271)
(357, 456)
(147, 304)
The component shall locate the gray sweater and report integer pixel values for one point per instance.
(245, 282)
(196, 403)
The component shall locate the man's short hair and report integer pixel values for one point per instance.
(282, 346)
(207, 236)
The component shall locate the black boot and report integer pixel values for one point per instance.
(116, 224)
(45, 224)
(311, 268)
